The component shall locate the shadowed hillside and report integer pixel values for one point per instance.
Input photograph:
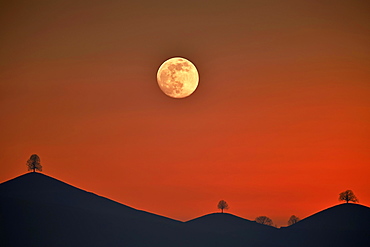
(224, 222)
(37, 210)
(40, 188)
(237, 229)
(346, 224)
(345, 217)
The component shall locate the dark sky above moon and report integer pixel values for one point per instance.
(279, 124)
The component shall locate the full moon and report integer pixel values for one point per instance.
(178, 77)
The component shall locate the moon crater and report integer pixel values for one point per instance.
(177, 77)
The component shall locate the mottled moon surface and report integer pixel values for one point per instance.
(178, 77)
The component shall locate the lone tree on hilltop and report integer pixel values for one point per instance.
(34, 163)
(264, 220)
(223, 205)
(347, 196)
(292, 220)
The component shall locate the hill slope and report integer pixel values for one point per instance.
(40, 188)
(342, 225)
(224, 222)
(241, 230)
(346, 217)
(38, 210)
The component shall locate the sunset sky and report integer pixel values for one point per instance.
(279, 124)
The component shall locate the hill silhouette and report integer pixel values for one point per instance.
(38, 210)
(343, 217)
(346, 224)
(224, 222)
(40, 188)
(237, 230)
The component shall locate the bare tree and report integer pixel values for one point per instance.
(34, 163)
(347, 196)
(292, 220)
(223, 205)
(264, 220)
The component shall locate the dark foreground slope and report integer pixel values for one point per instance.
(37, 210)
(40, 188)
(237, 231)
(342, 225)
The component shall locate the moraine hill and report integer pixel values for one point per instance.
(224, 222)
(38, 210)
(346, 224)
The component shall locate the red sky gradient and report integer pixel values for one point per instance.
(279, 125)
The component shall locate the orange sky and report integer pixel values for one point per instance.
(279, 125)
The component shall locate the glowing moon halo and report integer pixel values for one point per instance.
(178, 77)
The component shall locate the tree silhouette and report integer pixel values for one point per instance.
(223, 205)
(292, 220)
(34, 163)
(264, 220)
(347, 196)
